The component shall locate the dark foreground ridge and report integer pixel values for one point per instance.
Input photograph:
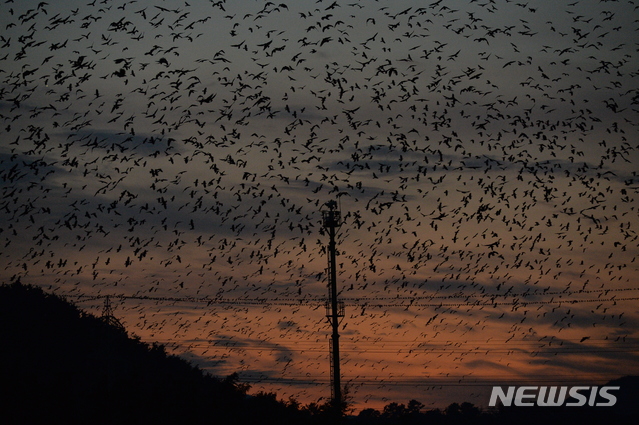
(59, 364)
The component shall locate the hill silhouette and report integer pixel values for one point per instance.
(59, 364)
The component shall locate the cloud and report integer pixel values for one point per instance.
(480, 156)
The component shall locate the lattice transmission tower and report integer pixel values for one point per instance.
(108, 316)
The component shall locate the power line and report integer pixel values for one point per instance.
(478, 351)
(377, 301)
(425, 381)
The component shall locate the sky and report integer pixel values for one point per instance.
(176, 157)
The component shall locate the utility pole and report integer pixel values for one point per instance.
(334, 309)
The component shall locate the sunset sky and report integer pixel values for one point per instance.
(176, 156)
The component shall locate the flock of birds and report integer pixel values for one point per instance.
(178, 155)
